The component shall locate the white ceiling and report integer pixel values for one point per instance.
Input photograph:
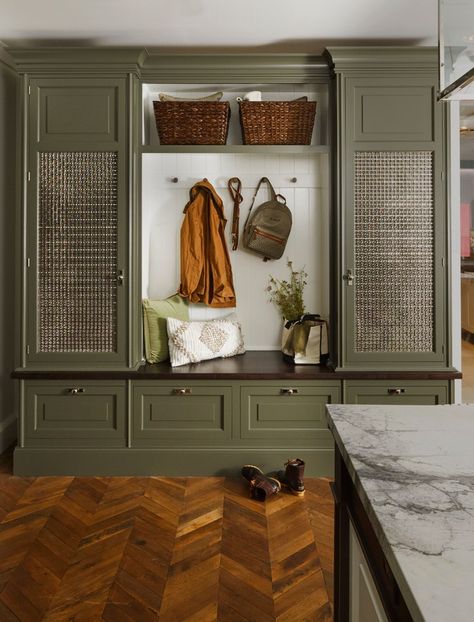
(249, 25)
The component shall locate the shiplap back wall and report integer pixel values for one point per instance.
(308, 245)
(163, 202)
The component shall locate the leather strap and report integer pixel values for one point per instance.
(237, 199)
(272, 191)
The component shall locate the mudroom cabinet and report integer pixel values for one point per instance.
(99, 209)
(392, 197)
(76, 212)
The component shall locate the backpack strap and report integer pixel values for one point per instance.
(235, 186)
(273, 194)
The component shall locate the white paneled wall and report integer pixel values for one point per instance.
(308, 245)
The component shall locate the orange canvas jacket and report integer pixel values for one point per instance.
(206, 273)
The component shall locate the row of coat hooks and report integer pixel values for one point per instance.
(175, 180)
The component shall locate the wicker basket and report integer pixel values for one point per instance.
(277, 123)
(192, 123)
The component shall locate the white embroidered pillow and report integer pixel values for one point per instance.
(191, 342)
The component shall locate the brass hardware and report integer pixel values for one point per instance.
(76, 390)
(120, 277)
(288, 391)
(186, 391)
(348, 277)
(395, 391)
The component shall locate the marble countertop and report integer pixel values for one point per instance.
(413, 467)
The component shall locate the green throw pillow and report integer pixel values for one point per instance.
(155, 313)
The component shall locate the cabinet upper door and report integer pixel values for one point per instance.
(393, 282)
(76, 222)
(76, 111)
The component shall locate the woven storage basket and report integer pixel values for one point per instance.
(192, 123)
(277, 123)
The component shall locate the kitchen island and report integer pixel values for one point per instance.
(404, 513)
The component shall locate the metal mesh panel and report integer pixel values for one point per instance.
(77, 252)
(394, 237)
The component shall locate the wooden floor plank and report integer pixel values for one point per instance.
(91, 573)
(193, 578)
(137, 591)
(320, 508)
(125, 549)
(298, 584)
(245, 545)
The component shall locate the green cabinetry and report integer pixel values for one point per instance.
(284, 415)
(70, 414)
(409, 392)
(391, 210)
(87, 405)
(194, 426)
(76, 215)
(79, 202)
(185, 415)
(77, 111)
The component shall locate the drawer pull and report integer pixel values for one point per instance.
(395, 391)
(76, 390)
(288, 391)
(186, 391)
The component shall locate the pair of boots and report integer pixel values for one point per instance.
(263, 486)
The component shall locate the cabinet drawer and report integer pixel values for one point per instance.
(396, 392)
(75, 414)
(284, 415)
(186, 415)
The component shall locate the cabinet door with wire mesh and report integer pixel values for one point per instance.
(76, 248)
(394, 275)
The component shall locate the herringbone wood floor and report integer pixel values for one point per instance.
(168, 549)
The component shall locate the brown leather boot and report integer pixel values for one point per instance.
(261, 486)
(292, 476)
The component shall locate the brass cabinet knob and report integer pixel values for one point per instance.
(76, 390)
(183, 391)
(288, 391)
(395, 391)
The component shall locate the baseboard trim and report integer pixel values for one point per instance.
(165, 462)
(8, 432)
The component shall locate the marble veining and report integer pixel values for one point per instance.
(414, 469)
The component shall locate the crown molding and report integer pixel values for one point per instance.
(242, 68)
(222, 68)
(6, 59)
(398, 59)
(159, 67)
(76, 59)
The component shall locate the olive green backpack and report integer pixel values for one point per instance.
(267, 228)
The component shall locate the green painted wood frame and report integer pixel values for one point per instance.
(411, 80)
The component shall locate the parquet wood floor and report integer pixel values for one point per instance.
(162, 549)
